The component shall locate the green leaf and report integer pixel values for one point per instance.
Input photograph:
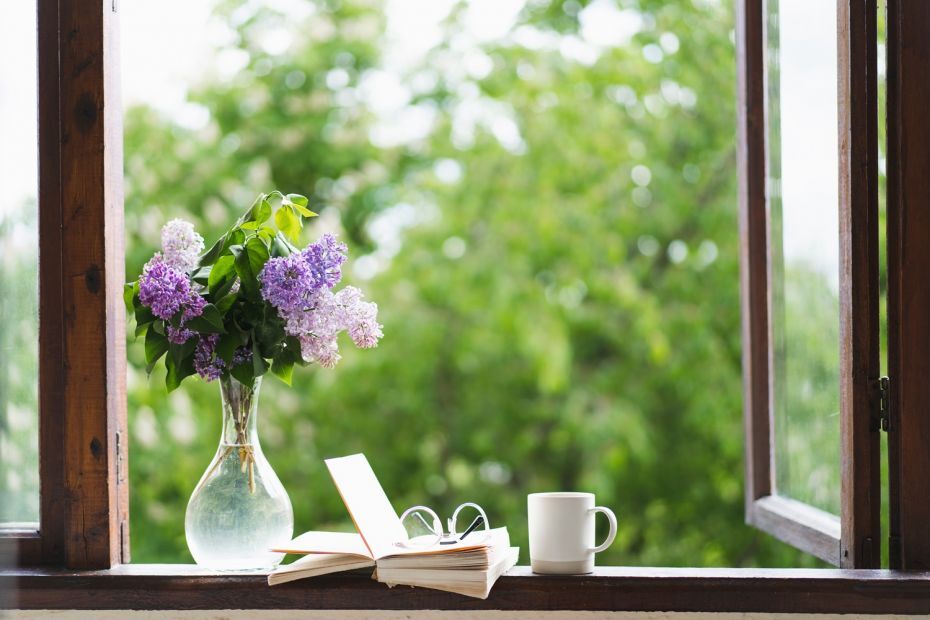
(243, 373)
(144, 318)
(178, 371)
(141, 329)
(262, 211)
(210, 321)
(249, 262)
(226, 302)
(130, 291)
(215, 251)
(259, 365)
(201, 275)
(280, 246)
(223, 271)
(290, 354)
(249, 215)
(283, 370)
(269, 334)
(144, 315)
(288, 222)
(181, 351)
(180, 363)
(226, 347)
(297, 199)
(156, 345)
(234, 237)
(249, 226)
(300, 204)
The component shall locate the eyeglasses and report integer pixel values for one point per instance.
(424, 528)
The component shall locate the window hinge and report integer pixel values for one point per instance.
(883, 406)
(119, 458)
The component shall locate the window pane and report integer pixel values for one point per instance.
(19, 324)
(803, 199)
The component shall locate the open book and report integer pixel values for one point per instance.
(467, 567)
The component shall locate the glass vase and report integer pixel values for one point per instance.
(239, 510)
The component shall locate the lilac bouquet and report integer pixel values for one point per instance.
(253, 302)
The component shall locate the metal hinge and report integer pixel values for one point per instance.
(884, 407)
(119, 458)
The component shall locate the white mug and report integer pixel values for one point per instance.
(562, 532)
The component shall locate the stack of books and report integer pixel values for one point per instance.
(469, 567)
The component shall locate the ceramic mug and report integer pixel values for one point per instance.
(562, 532)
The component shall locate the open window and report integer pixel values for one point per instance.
(828, 505)
(809, 225)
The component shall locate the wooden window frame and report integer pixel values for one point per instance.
(908, 221)
(853, 540)
(82, 395)
(84, 501)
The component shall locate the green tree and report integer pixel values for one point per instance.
(558, 282)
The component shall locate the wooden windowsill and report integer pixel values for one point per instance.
(178, 586)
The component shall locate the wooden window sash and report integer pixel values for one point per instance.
(852, 538)
(908, 224)
(82, 396)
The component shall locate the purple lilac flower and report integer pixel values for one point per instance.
(286, 282)
(206, 362)
(299, 287)
(181, 245)
(193, 307)
(325, 258)
(317, 327)
(164, 289)
(241, 356)
(323, 350)
(179, 335)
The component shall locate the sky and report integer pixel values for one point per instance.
(18, 116)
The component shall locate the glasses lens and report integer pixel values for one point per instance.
(470, 520)
(422, 525)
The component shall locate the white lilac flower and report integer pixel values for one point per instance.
(181, 245)
(359, 318)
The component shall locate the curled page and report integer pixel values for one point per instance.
(368, 504)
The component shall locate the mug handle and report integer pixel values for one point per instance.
(613, 527)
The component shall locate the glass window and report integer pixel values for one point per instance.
(19, 267)
(802, 187)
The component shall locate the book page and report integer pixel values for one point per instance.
(315, 564)
(326, 542)
(367, 503)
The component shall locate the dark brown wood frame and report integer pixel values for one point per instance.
(607, 589)
(908, 290)
(853, 540)
(82, 406)
(82, 402)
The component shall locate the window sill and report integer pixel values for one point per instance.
(178, 586)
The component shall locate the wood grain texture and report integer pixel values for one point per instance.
(908, 291)
(93, 343)
(800, 525)
(608, 589)
(51, 318)
(753, 228)
(859, 262)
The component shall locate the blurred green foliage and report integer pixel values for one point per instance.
(19, 366)
(559, 289)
